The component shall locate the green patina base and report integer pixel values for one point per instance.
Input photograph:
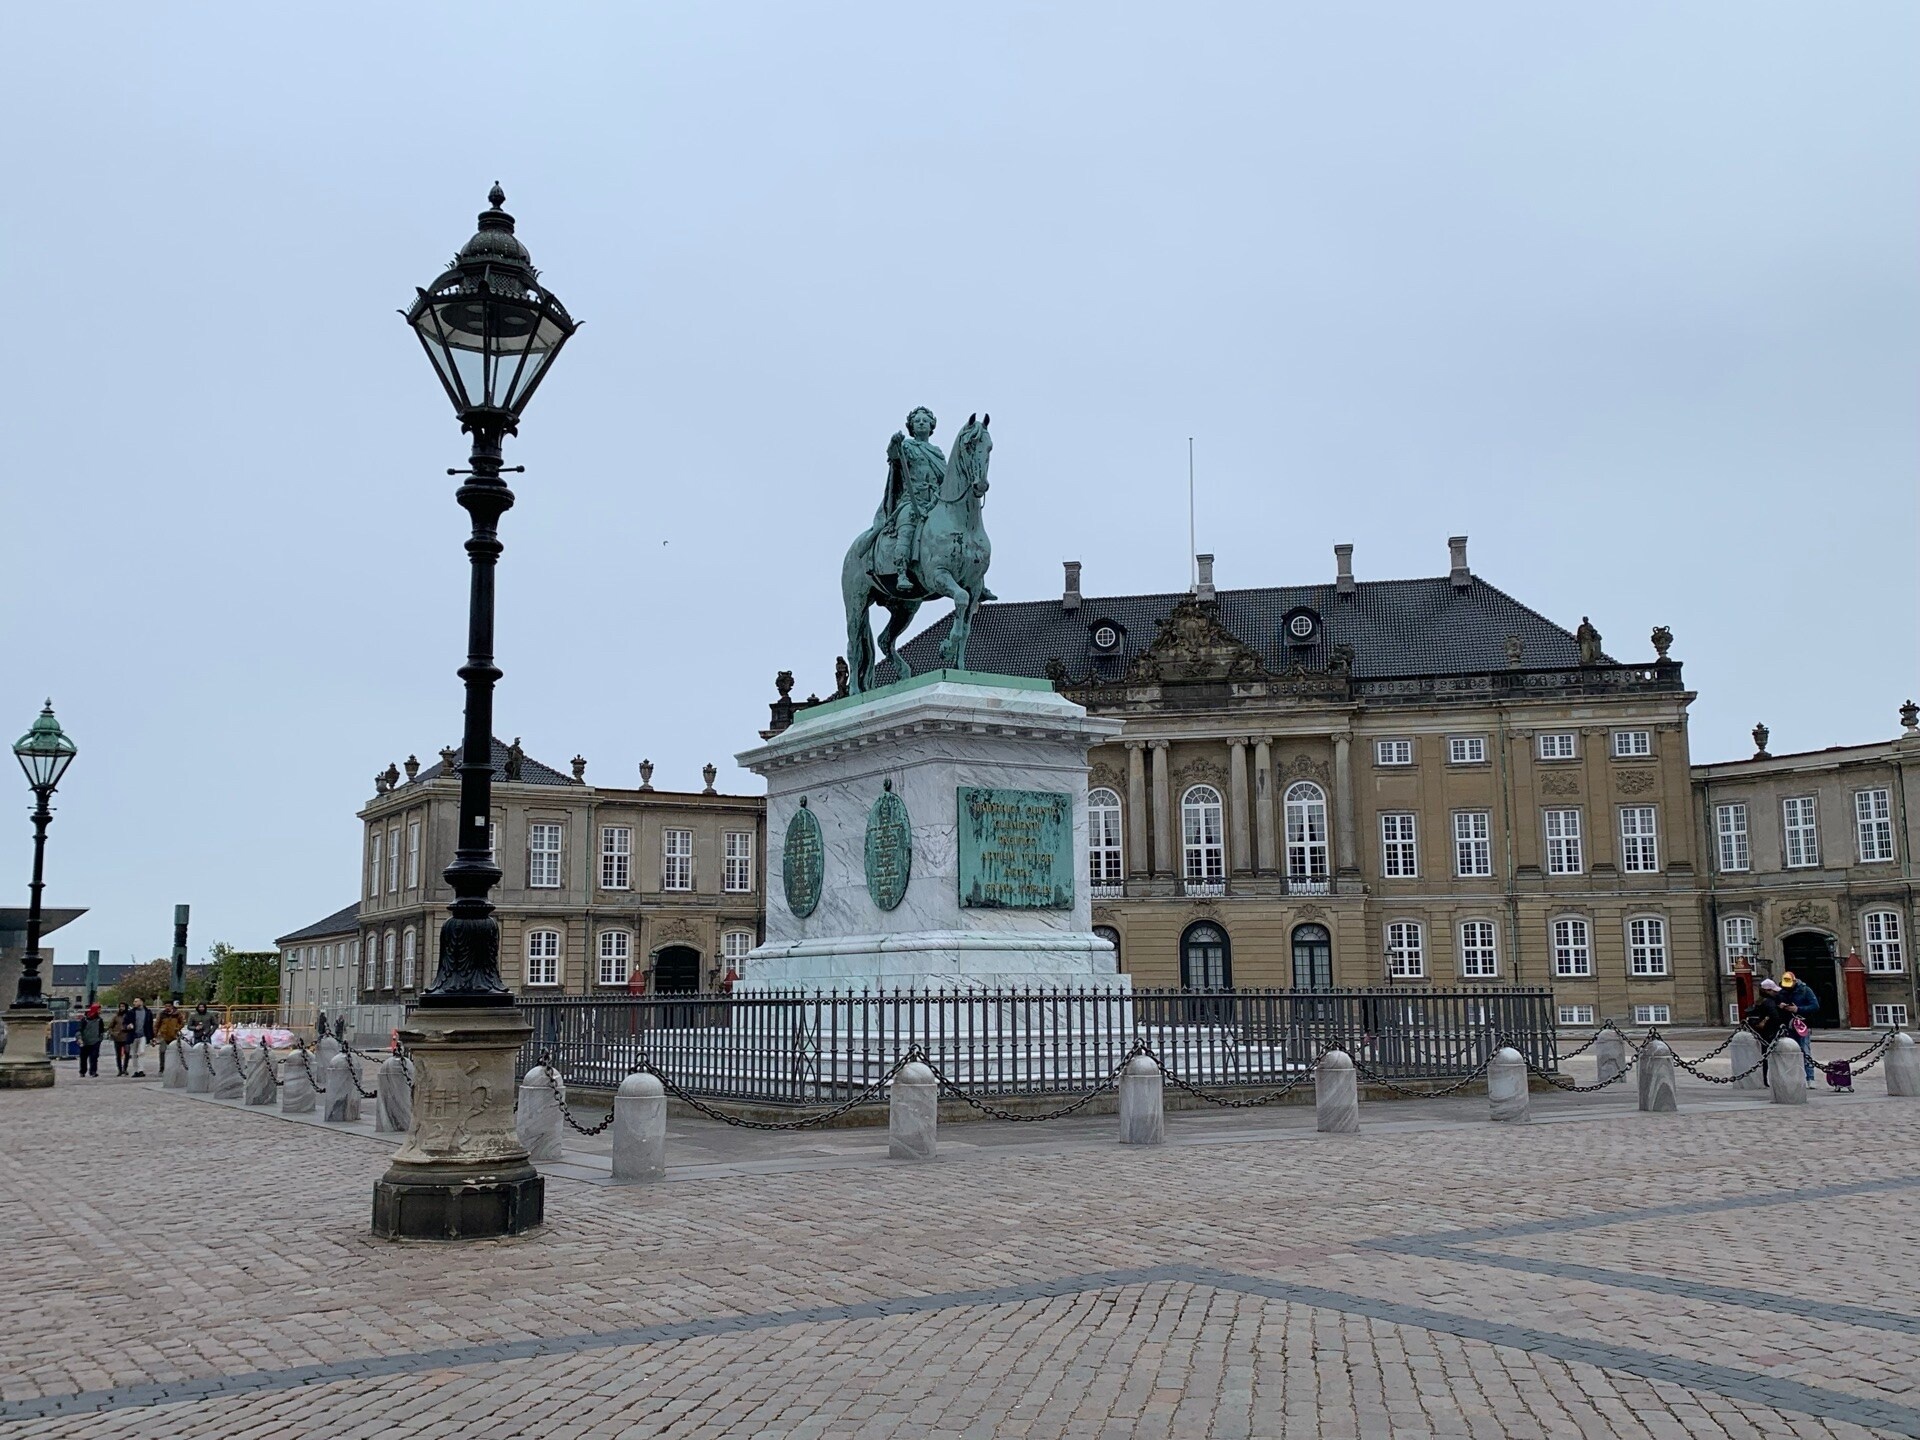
(920, 682)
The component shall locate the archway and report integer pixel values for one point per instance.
(676, 970)
(1809, 954)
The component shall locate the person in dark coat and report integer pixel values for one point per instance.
(1766, 1019)
(92, 1031)
(1798, 1001)
(122, 1043)
(139, 1034)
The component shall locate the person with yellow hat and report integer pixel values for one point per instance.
(1798, 1001)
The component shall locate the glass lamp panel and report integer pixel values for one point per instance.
(45, 758)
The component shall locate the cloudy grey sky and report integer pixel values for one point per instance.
(1627, 293)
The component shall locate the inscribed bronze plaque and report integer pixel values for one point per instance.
(889, 849)
(803, 862)
(1016, 849)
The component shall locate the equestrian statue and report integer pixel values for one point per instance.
(926, 541)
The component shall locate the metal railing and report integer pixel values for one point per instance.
(810, 1048)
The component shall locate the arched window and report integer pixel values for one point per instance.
(1104, 865)
(1738, 935)
(1479, 950)
(1112, 937)
(1306, 812)
(616, 956)
(1572, 948)
(1204, 854)
(1406, 950)
(389, 953)
(734, 945)
(1312, 958)
(1206, 959)
(407, 958)
(543, 957)
(372, 953)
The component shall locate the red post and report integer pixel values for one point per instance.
(1853, 974)
(1743, 982)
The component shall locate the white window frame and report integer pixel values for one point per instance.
(390, 957)
(1106, 862)
(543, 958)
(676, 859)
(1472, 844)
(616, 857)
(1648, 957)
(393, 860)
(1393, 754)
(1890, 1016)
(1800, 832)
(1885, 941)
(543, 859)
(1400, 845)
(734, 945)
(413, 854)
(372, 952)
(615, 949)
(1203, 847)
(1304, 812)
(375, 849)
(1466, 749)
(1639, 839)
(1739, 939)
(1733, 837)
(1479, 950)
(1558, 745)
(409, 957)
(1873, 824)
(1632, 744)
(1566, 851)
(1576, 1015)
(1570, 937)
(1655, 1014)
(736, 871)
(1406, 950)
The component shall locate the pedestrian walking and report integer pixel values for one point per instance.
(1766, 1019)
(1799, 1001)
(202, 1023)
(139, 1034)
(92, 1031)
(167, 1026)
(117, 1031)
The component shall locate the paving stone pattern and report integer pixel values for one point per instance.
(1731, 1270)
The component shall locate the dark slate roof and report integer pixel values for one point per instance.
(342, 922)
(532, 772)
(1395, 628)
(74, 975)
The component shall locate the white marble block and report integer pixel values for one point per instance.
(1742, 1056)
(913, 1114)
(1786, 1072)
(393, 1110)
(176, 1073)
(199, 1070)
(1903, 1066)
(228, 1082)
(261, 1088)
(1609, 1057)
(537, 1119)
(323, 1054)
(1508, 1097)
(1658, 1094)
(343, 1100)
(1336, 1095)
(927, 738)
(297, 1095)
(1143, 1108)
(639, 1130)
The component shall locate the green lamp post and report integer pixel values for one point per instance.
(44, 753)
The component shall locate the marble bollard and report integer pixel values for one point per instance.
(261, 1089)
(1336, 1095)
(297, 1095)
(393, 1111)
(1143, 1107)
(1744, 1055)
(199, 1070)
(1508, 1096)
(176, 1076)
(537, 1119)
(913, 1114)
(323, 1054)
(1786, 1072)
(228, 1082)
(1903, 1066)
(1609, 1057)
(343, 1100)
(1658, 1094)
(639, 1130)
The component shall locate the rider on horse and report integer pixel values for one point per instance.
(916, 468)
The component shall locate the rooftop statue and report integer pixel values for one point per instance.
(926, 541)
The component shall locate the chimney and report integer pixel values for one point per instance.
(1203, 587)
(1070, 597)
(1343, 581)
(1459, 575)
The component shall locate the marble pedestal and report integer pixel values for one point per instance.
(199, 1069)
(1658, 1094)
(462, 1173)
(1742, 1056)
(1508, 1097)
(913, 1114)
(1786, 1072)
(393, 1112)
(1143, 1103)
(24, 1064)
(175, 1078)
(639, 1131)
(262, 1086)
(228, 1082)
(1903, 1066)
(1336, 1095)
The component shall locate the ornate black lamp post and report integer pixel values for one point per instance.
(44, 752)
(492, 331)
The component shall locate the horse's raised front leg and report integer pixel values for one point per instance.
(900, 615)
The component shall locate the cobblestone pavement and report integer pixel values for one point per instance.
(176, 1267)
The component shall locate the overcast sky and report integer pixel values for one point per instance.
(1627, 293)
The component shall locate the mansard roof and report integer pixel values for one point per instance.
(532, 772)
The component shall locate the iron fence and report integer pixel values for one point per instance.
(811, 1048)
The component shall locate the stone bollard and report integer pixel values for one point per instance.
(1742, 1055)
(913, 1114)
(639, 1130)
(297, 1095)
(1508, 1095)
(199, 1070)
(1657, 1092)
(261, 1089)
(537, 1119)
(176, 1077)
(343, 1100)
(1903, 1066)
(393, 1111)
(1336, 1095)
(1143, 1108)
(1609, 1057)
(1786, 1072)
(323, 1054)
(228, 1082)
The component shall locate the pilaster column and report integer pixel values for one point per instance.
(1264, 862)
(1343, 803)
(1136, 809)
(1163, 852)
(1239, 849)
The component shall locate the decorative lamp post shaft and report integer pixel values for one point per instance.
(29, 995)
(44, 753)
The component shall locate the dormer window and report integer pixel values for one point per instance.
(1105, 638)
(1300, 626)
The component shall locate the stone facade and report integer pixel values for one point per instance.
(320, 968)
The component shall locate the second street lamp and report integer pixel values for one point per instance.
(44, 753)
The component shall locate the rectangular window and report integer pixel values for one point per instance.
(1730, 831)
(1399, 850)
(1467, 750)
(393, 861)
(1639, 842)
(543, 856)
(1556, 747)
(388, 954)
(1406, 951)
(1885, 955)
(1737, 936)
(1393, 752)
(616, 857)
(1632, 744)
(543, 957)
(1873, 818)
(734, 946)
(1572, 948)
(676, 860)
(1799, 824)
(1472, 843)
(1479, 953)
(1892, 1017)
(1576, 1014)
(738, 876)
(373, 862)
(407, 958)
(1565, 855)
(616, 957)
(413, 854)
(1647, 945)
(1653, 1014)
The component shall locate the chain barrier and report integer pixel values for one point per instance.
(1367, 1073)
(739, 1122)
(1113, 1079)
(1827, 1067)
(266, 1059)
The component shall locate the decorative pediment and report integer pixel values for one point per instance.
(1200, 772)
(673, 932)
(1192, 644)
(1109, 777)
(1804, 913)
(1304, 767)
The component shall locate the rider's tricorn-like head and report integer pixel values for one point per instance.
(921, 422)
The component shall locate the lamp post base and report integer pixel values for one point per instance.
(462, 1173)
(24, 1064)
